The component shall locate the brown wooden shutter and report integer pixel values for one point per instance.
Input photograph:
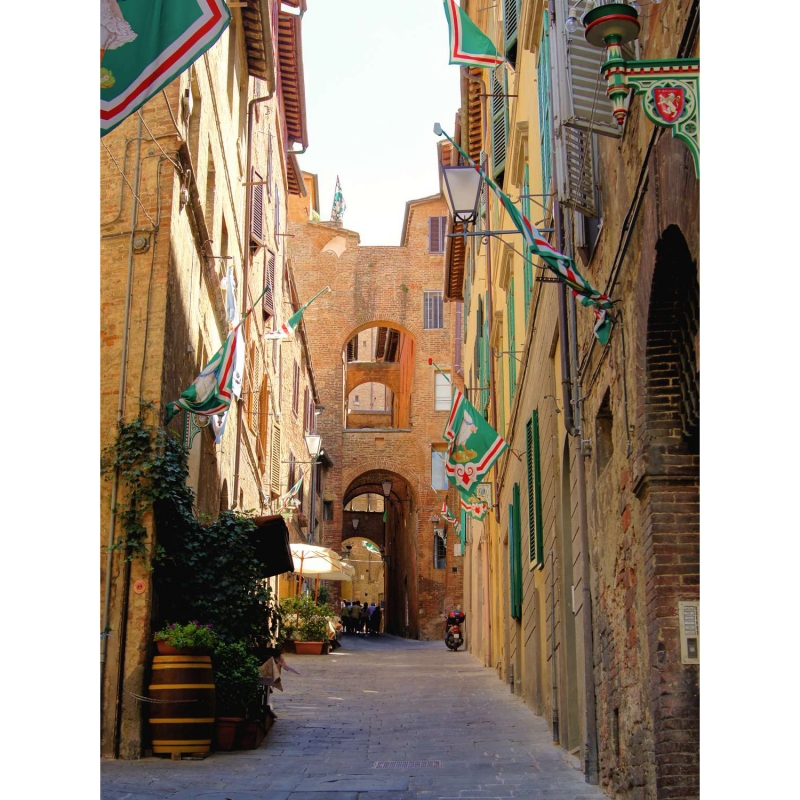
(257, 209)
(275, 460)
(306, 406)
(295, 388)
(261, 443)
(269, 281)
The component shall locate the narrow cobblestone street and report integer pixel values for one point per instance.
(452, 728)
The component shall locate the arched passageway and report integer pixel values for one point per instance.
(392, 529)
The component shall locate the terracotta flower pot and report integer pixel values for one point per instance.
(251, 735)
(308, 648)
(165, 649)
(227, 730)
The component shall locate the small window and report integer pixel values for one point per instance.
(327, 510)
(439, 549)
(438, 475)
(443, 392)
(437, 228)
(433, 310)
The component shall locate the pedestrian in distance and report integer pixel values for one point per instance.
(355, 616)
(375, 621)
(346, 617)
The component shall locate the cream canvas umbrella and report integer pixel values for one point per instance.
(321, 563)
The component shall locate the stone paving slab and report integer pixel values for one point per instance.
(377, 700)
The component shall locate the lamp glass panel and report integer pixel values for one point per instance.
(314, 444)
(463, 189)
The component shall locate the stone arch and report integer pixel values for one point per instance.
(364, 321)
(669, 495)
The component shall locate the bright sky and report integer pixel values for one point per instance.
(377, 79)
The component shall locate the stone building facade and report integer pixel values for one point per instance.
(395, 291)
(192, 186)
(583, 587)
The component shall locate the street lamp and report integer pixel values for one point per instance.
(355, 523)
(461, 187)
(387, 488)
(314, 445)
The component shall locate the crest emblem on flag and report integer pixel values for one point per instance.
(146, 44)
(474, 444)
(669, 102)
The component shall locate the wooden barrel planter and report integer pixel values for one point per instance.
(182, 718)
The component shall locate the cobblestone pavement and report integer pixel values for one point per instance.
(450, 727)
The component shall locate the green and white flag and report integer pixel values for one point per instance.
(146, 44)
(283, 500)
(474, 444)
(469, 45)
(371, 547)
(288, 328)
(473, 505)
(212, 389)
(339, 207)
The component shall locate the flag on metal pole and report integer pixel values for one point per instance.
(289, 327)
(339, 206)
(283, 501)
(146, 44)
(469, 45)
(562, 265)
(212, 389)
(474, 444)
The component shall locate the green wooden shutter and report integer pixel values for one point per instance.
(512, 344)
(499, 107)
(515, 555)
(545, 102)
(532, 463)
(528, 260)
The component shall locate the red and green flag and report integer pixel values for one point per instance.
(146, 44)
(288, 328)
(212, 389)
(474, 444)
(473, 505)
(563, 266)
(469, 45)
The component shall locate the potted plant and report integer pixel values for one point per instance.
(237, 680)
(312, 635)
(181, 640)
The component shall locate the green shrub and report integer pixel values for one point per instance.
(237, 678)
(305, 620)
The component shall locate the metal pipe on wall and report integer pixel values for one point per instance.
(123, 377)
(245, 273)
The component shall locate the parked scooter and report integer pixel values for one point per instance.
(453, 629)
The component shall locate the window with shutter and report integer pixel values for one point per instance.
(269, 165)
(527, 266)
(292, 477)
(295, 389)
(458, 325)
(277, 219)
(534, 477)
(510, 27)
(261, 444)
(269, 284)
(499, 83)
(512, 344)
(257, 209)
(306, 409)
(433, 310)
(437, 228)
(275, 460)
(545, 112)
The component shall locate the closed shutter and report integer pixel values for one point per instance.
(269, 283)
(261, 445)
(499, 107)
(292, 477)
(576, 171)
(433, 310)
(545, 112)
(510, 28)
(437, 228)
(527, 266)
(277, 219)
(457, 335)
(512, 344)
(534, 490)
(257, 373)
(582, 100)
(307, 408)
(275, 460)
(257, 209)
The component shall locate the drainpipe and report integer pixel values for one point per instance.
(123, 377)
(553, 676)
(590, 746)
(245, 273)
(563, 336)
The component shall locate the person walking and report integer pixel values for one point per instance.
(346, 617)
(375, 621)
(355, 616)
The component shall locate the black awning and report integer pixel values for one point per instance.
(271, 538)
